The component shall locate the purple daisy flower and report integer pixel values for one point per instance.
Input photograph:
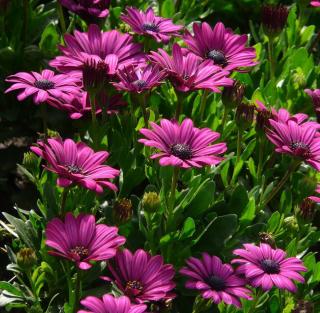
(221, 46)
(142, 277)
(189, 72)
(76, 163)
(43, 86)
(113, 48)
(110, 304)
(301, 141)
(87, 9)
(146, 23)
(140, 78)
(80, 240)
(183, 145)
(267, 267)
(315, 96)
(215, 280)
(315, 3)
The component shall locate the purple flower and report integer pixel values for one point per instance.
(43, 86)
(76, 163)
(221, 46)
(183, 145)
(315, 3)
(189, 72)
(146, 23)
(315, 198)
(110, 304)
(315, 96)
(87, 9)
(80, 240)
(301, 141)
(267, 267)
(113, 48)
(215, 280)
(140, 78)
(308, 205)
(142, 277)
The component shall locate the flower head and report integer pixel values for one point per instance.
(308, 205)
(146, 23)
(76, 163)
(315, 3)
(80, 240)
(142, 277)
(221, 46)
(43, 86)
(267, 267)
(87, 9)
(110, 304)
(189, 72)
(274, 18)
(232, 95)
(183, 145)
(215, 280)
(139, 78)
(244, 115)
(315, 96)
(301, 141)
(112, 48)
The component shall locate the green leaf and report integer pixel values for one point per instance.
(239, 199)
(248, 214)
(188, 228)
(10, 288)
(274, 222)
(49, 40)
(167, 8)
(291, 249)
(274, 304)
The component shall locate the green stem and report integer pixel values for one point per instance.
(224, 118)
(94, 118)
(143, 100)
(25, 22)
(172, 197)
(179, 106)
(255, 302)
(239, 139)
(203, 103)
(61, 18)
(260, 161)
(271, 57)
(77, 291)
(64, 200)
(43, 109)
(274, 192)
(33, 288)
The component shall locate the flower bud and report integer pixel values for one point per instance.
(26, 258)
(94, 75)
(274, 19)
(151, 201)
(232, 96)
(122, 210)
(30, 161)
(262, 117)
(291, 223)
(307, 208)
(244, 115)
(304, 306)
(267, 238)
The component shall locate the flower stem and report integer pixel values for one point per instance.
(203, 103)
(274, 192)
(179, 106)
(255, 301)
(61, 18)
(239, 139)
(77, 291)
(43, 109)
(260, 161)
(172, 198)
(143, 100)
(64, 200)
(271, 57)
(93, 118)
(224, 118)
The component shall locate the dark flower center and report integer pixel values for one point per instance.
(217, 56)
(133, 288)
(270, 266)
(44, 84)
(216, 282)
(74, 169)
(80, 251)
(140, 83)
(186, 77)
(182, 151)
(300, 149)
(150, 27)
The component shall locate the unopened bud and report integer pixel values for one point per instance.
(151, 202)
(307, 208)
(291, 223)
(244, 115)
(232, 96)
(94, 75)
(304, 306)
(274, 18)
(30, 161)
(26, 258)
(267, 238)
(122, 210)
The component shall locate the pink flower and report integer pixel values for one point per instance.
(142, 277)
(315, 96)
(315, 3)
(267, 267)
(113, 48)
(76, 163)
(183, 145)
(221, 46)
(301, 141)
(189, 73)
(110, 304)
(88, 9)
(314, 198)
(140, 78)
(146, 23)
(43, 86)
(215, 280)
(80, 240)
